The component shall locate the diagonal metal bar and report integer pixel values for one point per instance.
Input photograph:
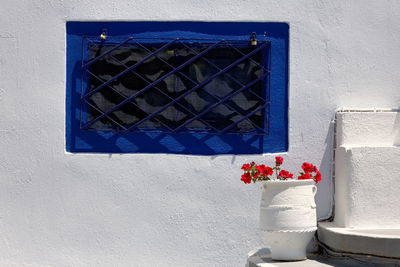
(162, 92)
(175, 101)
(165, 62)
(127, 70)
(221, 102)
(205, 59)
(106, 53)
(152, 85)
(242, 119)
(227, 74)
(195, 83)
(240, 52)
(122, 95)
(229, 106)
(99, 110)
(200, 85)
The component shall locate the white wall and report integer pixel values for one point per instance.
(59, 209)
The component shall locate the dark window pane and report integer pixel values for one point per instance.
(176, 89)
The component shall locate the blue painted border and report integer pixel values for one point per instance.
(197, 144)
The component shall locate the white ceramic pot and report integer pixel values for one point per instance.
(288, 217)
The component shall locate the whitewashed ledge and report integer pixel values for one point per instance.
(262, 258)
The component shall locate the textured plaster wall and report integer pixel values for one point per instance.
(60, 209)
(367, 170)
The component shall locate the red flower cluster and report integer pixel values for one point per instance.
(253, 172)
(305, 176)
(246, 178)
(265, 171)
(309, 169)
(278, 161)
(246, 167)
(285, 174)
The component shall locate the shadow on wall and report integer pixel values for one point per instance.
(396, 129)
(326, 167)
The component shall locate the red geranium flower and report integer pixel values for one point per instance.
(315, 169)
(278, 161)
(285, 174)
(266, 171)
(269, 171)
(246, 167)
(317, 177)
(246, 178)
(305, 176)
(307, 167)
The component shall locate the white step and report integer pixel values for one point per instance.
(377, 242)
(367, 187)
(262, 258)
(368, 128)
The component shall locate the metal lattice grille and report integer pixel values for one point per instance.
(175, 85)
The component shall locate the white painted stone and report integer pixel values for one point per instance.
(368, 128)
(367, 187)
(367, 173)
(61, 209)
(367, 170)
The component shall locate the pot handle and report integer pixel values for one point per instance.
(314, 190)
(263, 185)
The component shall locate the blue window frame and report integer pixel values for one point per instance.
(177, 87)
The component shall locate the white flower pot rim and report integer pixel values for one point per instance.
(308, 181)
(312, 229)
